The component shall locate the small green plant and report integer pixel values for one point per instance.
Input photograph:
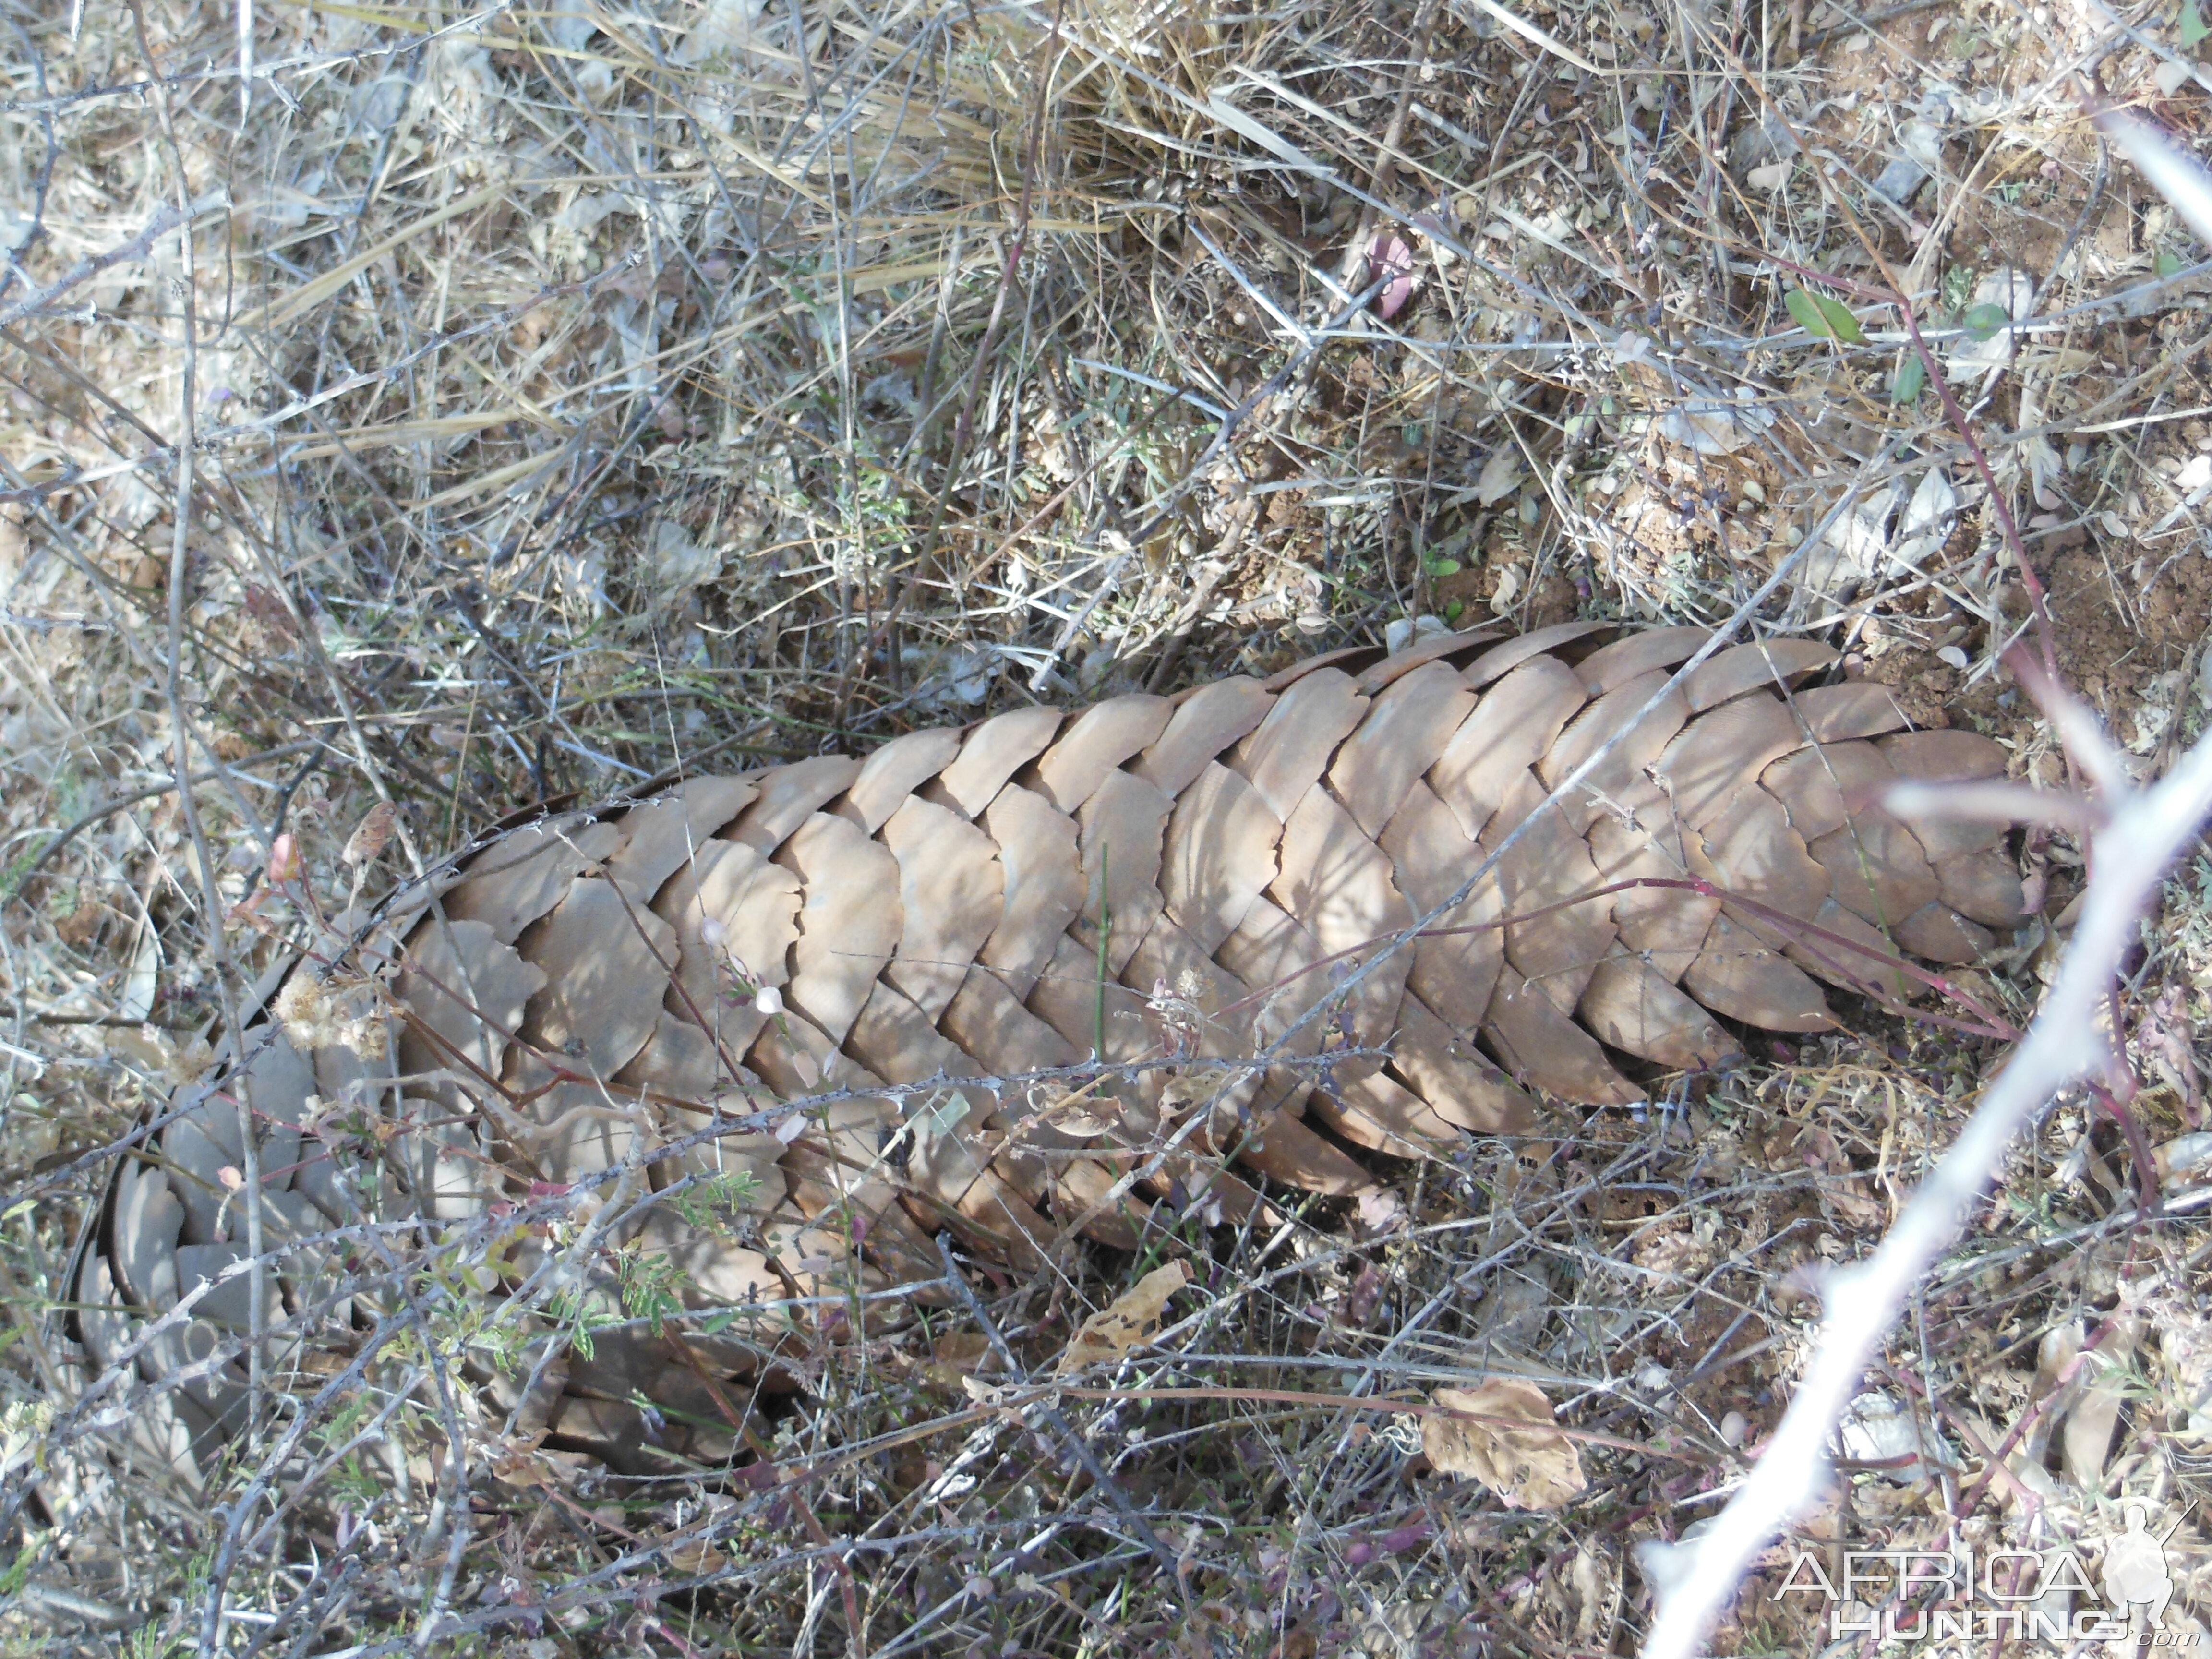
(2190, 27)
(712, 1203)
(577, 1318)
(18, 869)
(651, 1287)
(1911, 379)
(1823, 317)
(1983, 321)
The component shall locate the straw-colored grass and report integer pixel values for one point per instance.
(544, 400)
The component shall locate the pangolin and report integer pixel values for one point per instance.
(1116, 964)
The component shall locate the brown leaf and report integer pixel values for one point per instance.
(519, 1463)
(370, 836)
(1132, 1321)
(697, 1555)
(2086, 1439)
(956, 1357)
(1534, 1467)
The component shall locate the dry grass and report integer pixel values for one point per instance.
(576, 395)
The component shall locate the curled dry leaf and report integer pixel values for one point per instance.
(1500, 475)
(2086, 1438)
(1534, 1467)
(697, 1555)
(1131, 1321)
(517, 1461)
(956, 1357)
(285, 865)
(1078, 1112)
(370, 836)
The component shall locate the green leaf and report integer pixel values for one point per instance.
(1444, 568)
(1818, 315)
(1841, 323)
(2193, 27)
(2169, 265)
(1983, 321)
(1455, 610)
(1911, 376)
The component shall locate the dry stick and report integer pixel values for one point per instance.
(839, 1555)
(1353, 1402)
(1378, 177)
(964, 428)
(149, 793)
(1902, 300)
(1075, 1442)
(182, 212)
(2147, 831)
(180, 738)
(91, 388)
(1164, 505)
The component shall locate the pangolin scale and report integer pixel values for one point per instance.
(1151, 879)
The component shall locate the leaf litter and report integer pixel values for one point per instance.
(624, 392)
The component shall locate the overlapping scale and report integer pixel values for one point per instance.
(1172, 886)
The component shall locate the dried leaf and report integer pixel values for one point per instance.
(1508, 589)
(1709, 426)
(2086, 1439)
(371, 836)
(1881, 1430)
(1080, 1114)
(697, 1555)
(1500, 476)
(1131, 1321)
(1531, 1467)
(285, 865)
(518, 1462)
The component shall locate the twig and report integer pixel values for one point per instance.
(85, 823)
(1075, 1443)
(167, 219)
(2145, 834)
(181, 738)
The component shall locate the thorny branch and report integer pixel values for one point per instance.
(2145, 832)
(2142, 834)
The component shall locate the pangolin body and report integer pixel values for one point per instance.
(1148, 880)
